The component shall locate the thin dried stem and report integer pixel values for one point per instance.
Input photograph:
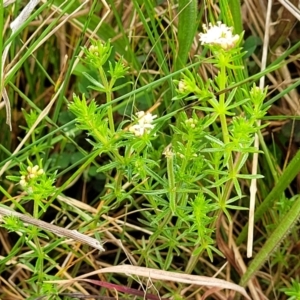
(72, 234)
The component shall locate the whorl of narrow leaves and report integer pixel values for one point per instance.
(202, 209)
(89, 117)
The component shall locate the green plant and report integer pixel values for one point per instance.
(201, 167)
(139, 142)
(293, 291)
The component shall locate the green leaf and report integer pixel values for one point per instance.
(250, 45)
(187, 26)
(95, 82)
(13, 178)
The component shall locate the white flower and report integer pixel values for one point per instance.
(168, 152)
(144, 124)
(32, 173)
(182, 86)
(191, 122)
(218, 35)
(94, 50)
(40, 172)
(23, 181)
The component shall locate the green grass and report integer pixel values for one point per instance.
(174, 200)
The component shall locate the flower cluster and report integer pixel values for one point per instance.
(168, 152)
(182, 86)
(33, 172)
(144, 124)
(98, 53)
(191, 122)
(218, 35)
(94, 50)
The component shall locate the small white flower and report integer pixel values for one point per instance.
(140, 114)
(182, 86)
(35, 169)
(31, 175)
(191, 122)
(144, 124)
(218, 35)
(23, 181)
(139, 130)
(168, 152)
(40, 172)
(33, 172)
(94, 50)
(148, 118)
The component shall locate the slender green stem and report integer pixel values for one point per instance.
(224, 126)
(170, 255)
(156, 234)
(39, 249)
(108, 91)
(36, 152)
(229, 184)
(171, 180)
(267, 155)
(222, 109)
(194, 259)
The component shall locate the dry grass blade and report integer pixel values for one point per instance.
(253, 186)
(291, 8)
(15, 25)
(72, 234)
(8, 2)
(166, 276)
